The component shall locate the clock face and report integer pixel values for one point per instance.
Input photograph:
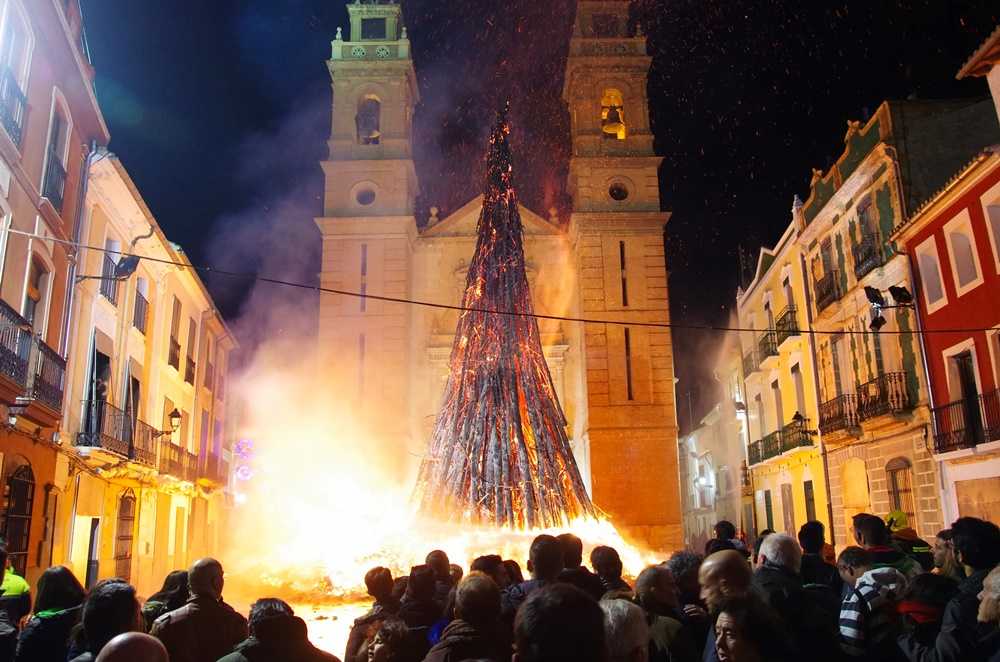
(382, 52)
(359, 51)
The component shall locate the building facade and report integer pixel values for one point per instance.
(615, 382)
(141, 488)
(49, 119)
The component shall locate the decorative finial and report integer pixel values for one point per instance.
(340, 34)
(796, 203)
(434, 216)
(553, 215)
(403, 35)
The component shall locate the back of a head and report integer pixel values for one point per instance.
(560, 623)
(976, 542)
(205, 578)
(133, 647)
(870, 530)
(109, 610)
(265, 609)
(782, 550)
(855, 557)
(930, 589)
(421, 583)
(811, 537)
(625, 629)
(379, 582)
(175, 590)
(605, 561)
(439, 563)
(489, 564)
(684, 564)
(513, 571)
(572, 548)
(725, 530)
(59, 589)
(477, 600)
(546, 557)
(718, 545)
(648, 579)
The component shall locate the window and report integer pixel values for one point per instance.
(140, 314)
(930, 275)
(779, 414)
(962, 250)
(373, 28)
(15, 54)
(54, 176)
(36, 296)
(761, 420)
(991, 212)
(866, 219)
(19, 499)
(768, 510)
(123, 535)
(174, 349)
(613, 115)
(786, 285)
(837, 350)
(628, 364)
(364, 278)
(621, 264)
(899, 482)
(189, 367)
(369, 121)
(203, 440)
(810, 498)
(769, 313)
(800, 390)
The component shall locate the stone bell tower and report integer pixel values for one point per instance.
(617, 231)
(368, 226)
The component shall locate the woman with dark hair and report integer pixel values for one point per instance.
(513, 572)
(747, 630)
(57, 611)
(171, 596)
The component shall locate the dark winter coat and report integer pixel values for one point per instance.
(419, 613)
(817, 571)
(463, 641)
(203, 630)
(46, 636)
(279, 638)
(8, 638)
(584, 580)
(962, 637)
(810, 618)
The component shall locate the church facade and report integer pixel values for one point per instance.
(615, 381)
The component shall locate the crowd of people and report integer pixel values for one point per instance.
(889, 597)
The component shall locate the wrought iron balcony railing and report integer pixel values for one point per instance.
(767, 345)
(868, 255)
(787, 324)
(750, 364)
(141, 313)
(47, 379)
(991, 414)
(796, 435)
(110, 428)
(839, 413)
(54, 186)
(967, 422)
(109, 284)
(215, 469)
(15, 345)
(755, 453)
(172, 458)
(13, 104)
(827, 289)
(885, 394)
(770, 445)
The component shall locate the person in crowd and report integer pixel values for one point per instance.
(399, 588)
(814, 569)
(438, 562)
(475, 632)
(57, 611)
(944, 557)
(669, 639)
(379, 583)
(419, 608)
(559, 623)
(748, 631)
(717, 545)
(456, 573)
(575, 573)
(722, 575)
(492, 565)
(725, 532)
(8, 638)
(871, 533)
(868, 622)
(276, 633)
(962, 636)
(906, 539)
(110, 609)
(133, 647)
(205, 628)
(922, 604)
(15, 593)
(625, 630)
(694, 616)
(545, 562)
(760, 540)
(608, 566)
(389, 642)
(989, 606)
(172, 595)
(514, 573)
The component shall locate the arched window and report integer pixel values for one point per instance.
(899, 483)
(613, 115)
(369, 120)
(19, 499)
(123, 535)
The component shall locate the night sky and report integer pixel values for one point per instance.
(220, 112)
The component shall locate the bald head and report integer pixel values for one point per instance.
(722, 575)
(205, 579)
(133, 647)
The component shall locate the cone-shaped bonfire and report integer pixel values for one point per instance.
(499, 453)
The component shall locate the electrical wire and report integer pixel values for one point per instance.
(443, 306)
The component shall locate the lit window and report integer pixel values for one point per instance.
(930, 275)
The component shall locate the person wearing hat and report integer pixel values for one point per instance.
(907, 540)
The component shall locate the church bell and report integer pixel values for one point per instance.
(613, 123)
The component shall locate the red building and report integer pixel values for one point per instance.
(953, 241)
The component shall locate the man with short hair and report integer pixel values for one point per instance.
(545, 562)
(206, 628)
(943, 553)
(276, 633)
(725, 538)
(492, 565)
(575, 573)
(814, 569)
(133, 647)
(559, 623)
(379, 583)
(868, 623)
(669, 639)
(722, 575)
(962, 636)
(475, 632)
(608, 566)
(871, 533)
(438, 562)
(110, 609)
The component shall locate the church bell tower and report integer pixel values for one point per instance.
(617, 231)
(368, 227)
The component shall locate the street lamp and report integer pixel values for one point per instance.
(175, 424)
(900, 295)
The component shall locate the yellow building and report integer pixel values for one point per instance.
(142, 491)
(785, 457)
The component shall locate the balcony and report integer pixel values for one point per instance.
(15, 353)
(140, 314)
(868, 255)
(54, 186)
(175, 461)
(767, 346)
(787, 325)
(214, 470)
(45, 383)
(755, 454)
(827, 290)
(749, 363)
(841, 413)
(109, 284)
(13, 104)
(796, 435)
(189, 371)
(174, 354)
(885, 394)
(770, 445)
(109, 428)
(966, 423)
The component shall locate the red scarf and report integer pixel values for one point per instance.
(919, 611)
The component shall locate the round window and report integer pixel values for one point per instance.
(365, 197)
(618, 191)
